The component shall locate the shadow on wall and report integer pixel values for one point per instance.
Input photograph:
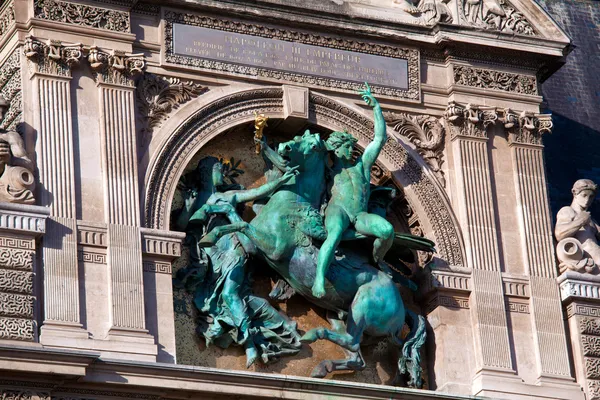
(572, 152)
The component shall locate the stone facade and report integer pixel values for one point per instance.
(114, 110)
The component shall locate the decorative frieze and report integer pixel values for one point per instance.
(16, 259)
(10, 84)
(16, 305)
(91, 234)
(91, 257)
(158, 96)
(498, 15)
(12, 281)
(447, 301)
(18, 394)
(52, 57)
(518, 307)
(426, 133)
(116, 67)
(495, 80)
(516, 287)
(157, 267)
(83, 15)
(161, 243)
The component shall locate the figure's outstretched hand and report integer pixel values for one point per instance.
(289, 173)
(189, 198)
(368, 96)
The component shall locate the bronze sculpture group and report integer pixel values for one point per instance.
(357, 286)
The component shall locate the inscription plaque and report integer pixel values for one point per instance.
(289, 57)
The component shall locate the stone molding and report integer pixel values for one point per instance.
(170, 17)
(451, 301)
(576, 285)
(495, 80)
(92, 257)
(161, 243)
(83, 15)
(158, 96)
(52, 57)
(157, 267)
(516, 286)
(116, 67)
(426, 133)
(92, 234)
(508, 20)
(517, 307)
(240, 107)
(24, 218)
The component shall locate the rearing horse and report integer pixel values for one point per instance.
(283, 232)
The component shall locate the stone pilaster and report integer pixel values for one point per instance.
(114, 73)
(20, 226)
(536, 240)
(468, 130)
(50, 66)
(580, 294)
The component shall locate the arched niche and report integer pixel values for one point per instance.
(216, 116)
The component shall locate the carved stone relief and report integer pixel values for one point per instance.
(83, 15)
(426, 133)
(590, 340)
(52, 57)
(158, 96)
(10, 83)
(496, 80)
(115, 67)
(498, 15)
(7, 17)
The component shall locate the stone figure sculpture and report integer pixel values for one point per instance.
(224, 293)
(288, 231)
(350, 195)
(577, 232)
(16, 169)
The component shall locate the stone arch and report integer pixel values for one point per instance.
(423, 193)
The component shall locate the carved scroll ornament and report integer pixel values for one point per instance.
(115, 67)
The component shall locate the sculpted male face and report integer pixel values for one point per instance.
(584, 198)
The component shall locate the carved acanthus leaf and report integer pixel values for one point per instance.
(426, 133)
(159, 96)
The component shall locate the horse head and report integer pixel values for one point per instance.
(308, 152)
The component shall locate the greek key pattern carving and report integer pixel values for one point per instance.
(157, 267)
(83, 15)
(517, 307)
(16, 305)
(52, 57)
(496, 80)
(116, 67)
(91, 257)
(12, 394)
(7, 18)
(583, 310)
(16, 281)
(426, 133)
(26, 244)
(16, 329)
(159, 96)
(454, 302)
(500, 15)
(10, 84)
(16, 259)
(413, 92)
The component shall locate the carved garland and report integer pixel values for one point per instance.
(426, 133)
(412, 56)
(84, 15)
(496, 80)
(242, 105)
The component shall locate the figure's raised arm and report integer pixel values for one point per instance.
(568, 222)
(380, 136)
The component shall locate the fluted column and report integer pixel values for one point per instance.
(50, 63)
(536, 238)
(113, 73)
(470, 140)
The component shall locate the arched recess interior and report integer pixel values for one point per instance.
(408, 169)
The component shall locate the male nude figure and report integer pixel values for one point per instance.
(350, 196)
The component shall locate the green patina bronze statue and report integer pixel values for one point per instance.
(356, 285)
(350, 196)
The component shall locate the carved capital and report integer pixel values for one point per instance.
(531, 128)
(52, 57)
(426, 133)
(158, 96)
(116, 67)
(469, 121)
